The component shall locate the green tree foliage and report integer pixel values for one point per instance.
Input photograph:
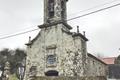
(5, 55)
(19, 55)
(117, 60)
(13, 56)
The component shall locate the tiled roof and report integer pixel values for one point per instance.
(109, 60)
(92, 56)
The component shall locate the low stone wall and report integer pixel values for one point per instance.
(71, 78)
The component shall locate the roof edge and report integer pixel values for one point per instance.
(81, 35)
(90, 55)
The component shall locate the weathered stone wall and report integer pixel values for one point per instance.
(68, 50)
(96, 67)
(72, 58)
(71, 78)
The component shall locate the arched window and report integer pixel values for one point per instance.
(51, 8)
(63, 9)
(51, 73)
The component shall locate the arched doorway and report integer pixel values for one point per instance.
(51, 73)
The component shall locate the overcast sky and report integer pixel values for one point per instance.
(102, 28)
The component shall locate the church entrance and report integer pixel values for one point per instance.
(51, 73)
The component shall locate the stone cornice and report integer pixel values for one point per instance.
(45, 25)
(79, 34)
(75, 34)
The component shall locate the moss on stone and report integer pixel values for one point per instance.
(13, 77)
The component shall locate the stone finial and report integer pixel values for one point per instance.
(78, 29)
(84, 33)
(7, 65)
(29, 38)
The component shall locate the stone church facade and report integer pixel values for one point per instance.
(56, 51)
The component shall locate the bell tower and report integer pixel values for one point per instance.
(54, 10)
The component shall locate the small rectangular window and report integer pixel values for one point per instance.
(33, 68)
(33, 71)
(51, 59)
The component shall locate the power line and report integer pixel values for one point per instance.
(20, 30)
(94, 7)
(67, 20)
(18, 34)
(94, 12)
(80, 11)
